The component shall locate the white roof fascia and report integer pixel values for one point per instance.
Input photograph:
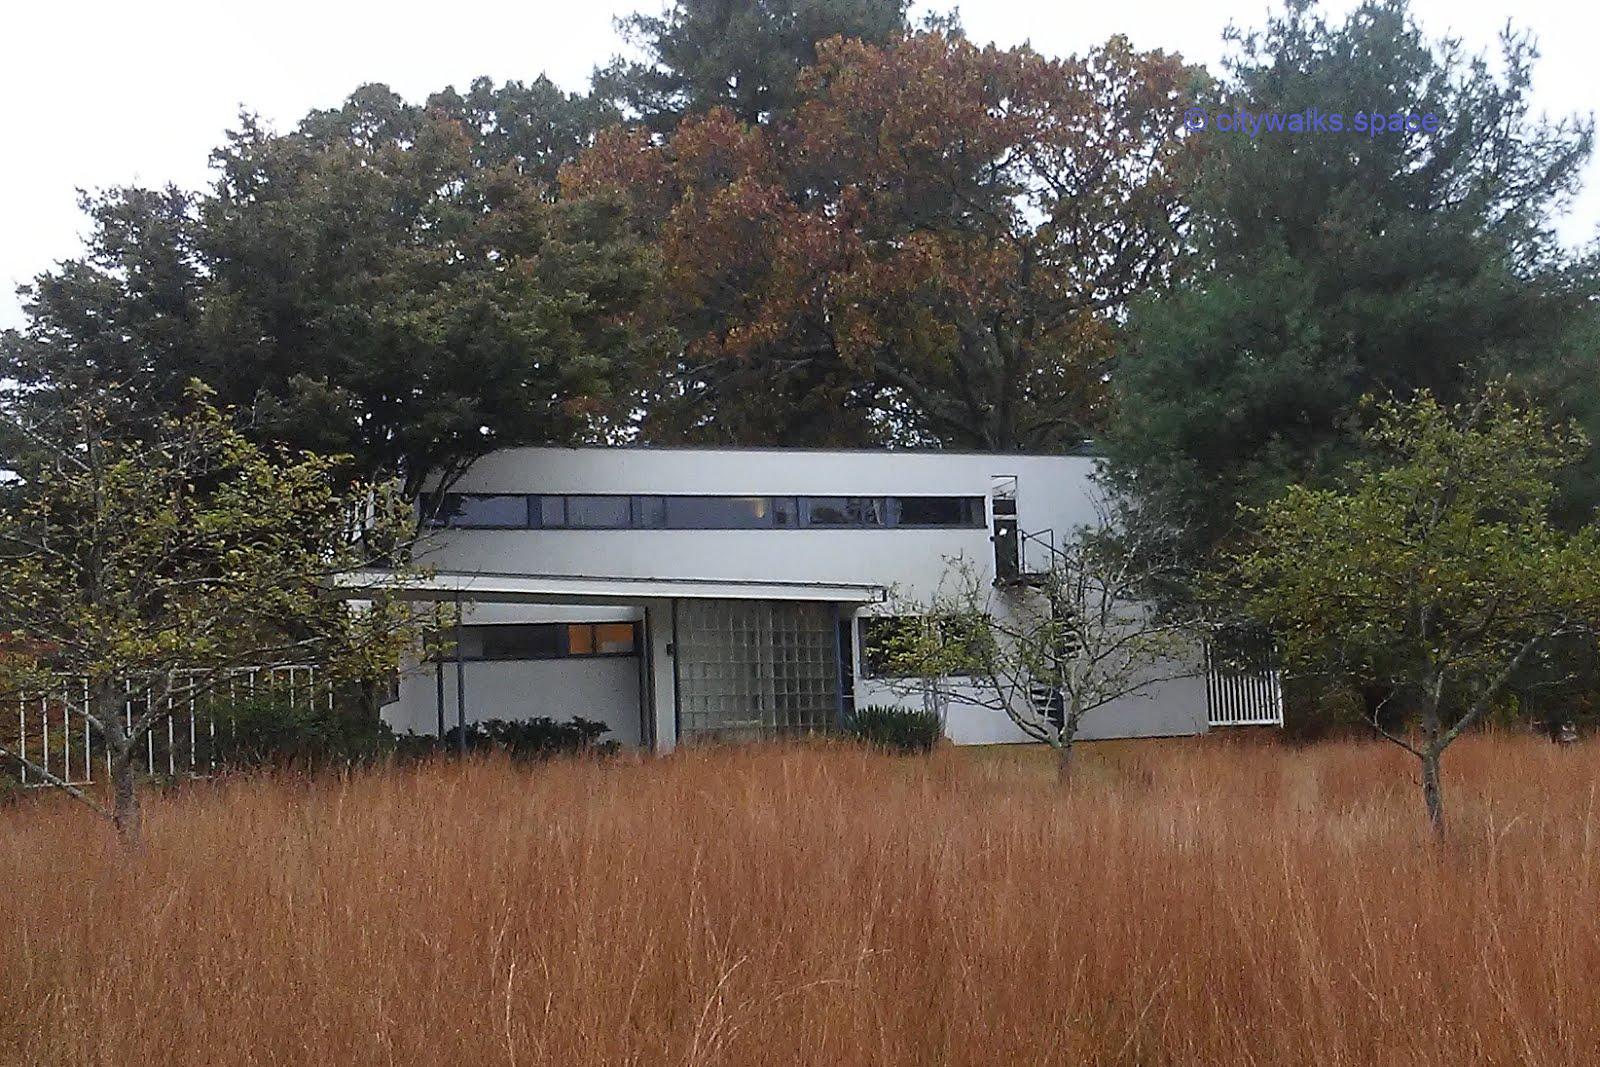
(583, 589)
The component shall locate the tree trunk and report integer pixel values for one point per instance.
(125, 796)
(1432, 749)
(109, 709)
(1064, 761)
(1431, 792)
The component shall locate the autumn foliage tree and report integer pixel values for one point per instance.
(934, 248)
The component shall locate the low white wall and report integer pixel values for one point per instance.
(1174, 708)
(605, 689)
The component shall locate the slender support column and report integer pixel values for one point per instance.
(461, 687)
(438, 685)
(675, 651)
(647, 682)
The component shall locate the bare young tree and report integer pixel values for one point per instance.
(1056, 644)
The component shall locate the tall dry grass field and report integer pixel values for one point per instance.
(1190, 903)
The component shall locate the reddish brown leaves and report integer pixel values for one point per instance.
(940, 231)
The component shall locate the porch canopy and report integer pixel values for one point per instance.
(720, 614)
(506, 588)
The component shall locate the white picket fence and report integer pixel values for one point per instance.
(54, 731)
(1236, 697)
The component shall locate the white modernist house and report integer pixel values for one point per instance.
(684, 593)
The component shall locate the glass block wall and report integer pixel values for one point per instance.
(753, 669)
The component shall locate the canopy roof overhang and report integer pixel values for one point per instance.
(501, 588)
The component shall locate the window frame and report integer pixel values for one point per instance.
(869, 667)
(625, 502)
(563, 643)
(653, 511)
(445, 518)
(767, 522)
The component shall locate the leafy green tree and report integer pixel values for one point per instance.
(1330, 265)
(191, 549)
(534, 127)
(743, 55)
(1436, 574)
(1566, 382)
(388, 297)
(131, 310)
(389, 282)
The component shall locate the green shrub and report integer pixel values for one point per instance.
(536, 738)
(269, 732)
(266, 732)
(896, 729)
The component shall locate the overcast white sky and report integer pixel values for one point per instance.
(108, 93)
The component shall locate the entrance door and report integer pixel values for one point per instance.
(1007, 536)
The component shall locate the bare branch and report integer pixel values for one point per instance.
(56, 780)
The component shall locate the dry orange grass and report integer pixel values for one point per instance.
(1192, 903)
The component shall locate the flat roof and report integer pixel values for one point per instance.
(509, 588)
(1082, 450)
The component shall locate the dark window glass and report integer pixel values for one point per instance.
(826, 510)
(546, 640)
(606, 512)
(937, 511)
(485, 510)
(867, 511)
(598, 512)
(1007, 549)
(844, 510)
(532, 641)
(550, 511)
(959, 643)
(718, 512)
(649, 512)
(883, 637)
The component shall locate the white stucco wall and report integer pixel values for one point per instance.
(1054, 497)
(1053, 493)
(1170, 707)
(605, 689)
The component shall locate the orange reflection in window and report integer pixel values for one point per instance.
(612, 638)
(580, 640)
